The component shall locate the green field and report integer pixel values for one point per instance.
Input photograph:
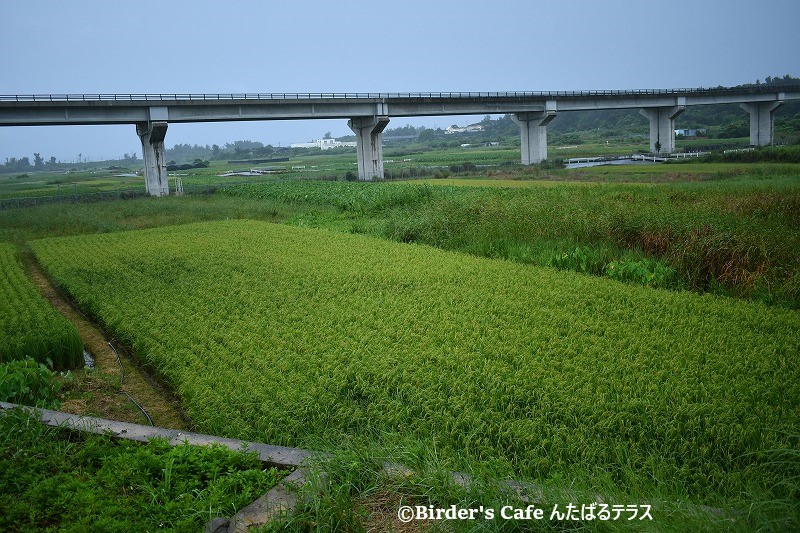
(29, 326)
(296, 336)
(725, 229)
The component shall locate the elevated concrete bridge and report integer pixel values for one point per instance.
(369, 113)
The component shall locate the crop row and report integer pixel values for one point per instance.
(296, 337)
(29, 326)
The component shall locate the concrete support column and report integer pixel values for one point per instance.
(761, 121)
(662, 126)
(155, 167)
(369, 145)
(533, 133)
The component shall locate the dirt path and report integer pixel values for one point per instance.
(98, 392)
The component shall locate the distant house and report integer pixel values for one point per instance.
(466, 129)
(690, 133)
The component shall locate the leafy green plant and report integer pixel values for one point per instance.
(644, 272)
(580, 259)
(28, 382)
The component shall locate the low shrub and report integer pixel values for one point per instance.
(580, 259)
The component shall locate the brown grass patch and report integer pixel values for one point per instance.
(381, 510)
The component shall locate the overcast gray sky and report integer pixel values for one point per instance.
(164, 46)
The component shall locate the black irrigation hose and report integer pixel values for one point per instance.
(149, 420)
(119, 361)
(121, 378)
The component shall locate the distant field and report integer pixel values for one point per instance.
(400, 162)
(296, 336)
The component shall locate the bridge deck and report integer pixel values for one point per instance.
(55, 109)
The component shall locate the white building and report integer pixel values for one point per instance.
(323, 144)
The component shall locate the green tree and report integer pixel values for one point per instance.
(427, 135)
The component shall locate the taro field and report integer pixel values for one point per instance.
(312, 338)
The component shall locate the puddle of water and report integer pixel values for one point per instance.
(88, 360)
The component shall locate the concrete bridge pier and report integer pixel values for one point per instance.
(662, 126)
(369, 145)
(155, 167)
(533, 133)
(761, 121)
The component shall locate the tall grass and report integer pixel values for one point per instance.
(739, 239)
(361, 198)
(22, 225)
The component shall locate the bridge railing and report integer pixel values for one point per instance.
(756, 89)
